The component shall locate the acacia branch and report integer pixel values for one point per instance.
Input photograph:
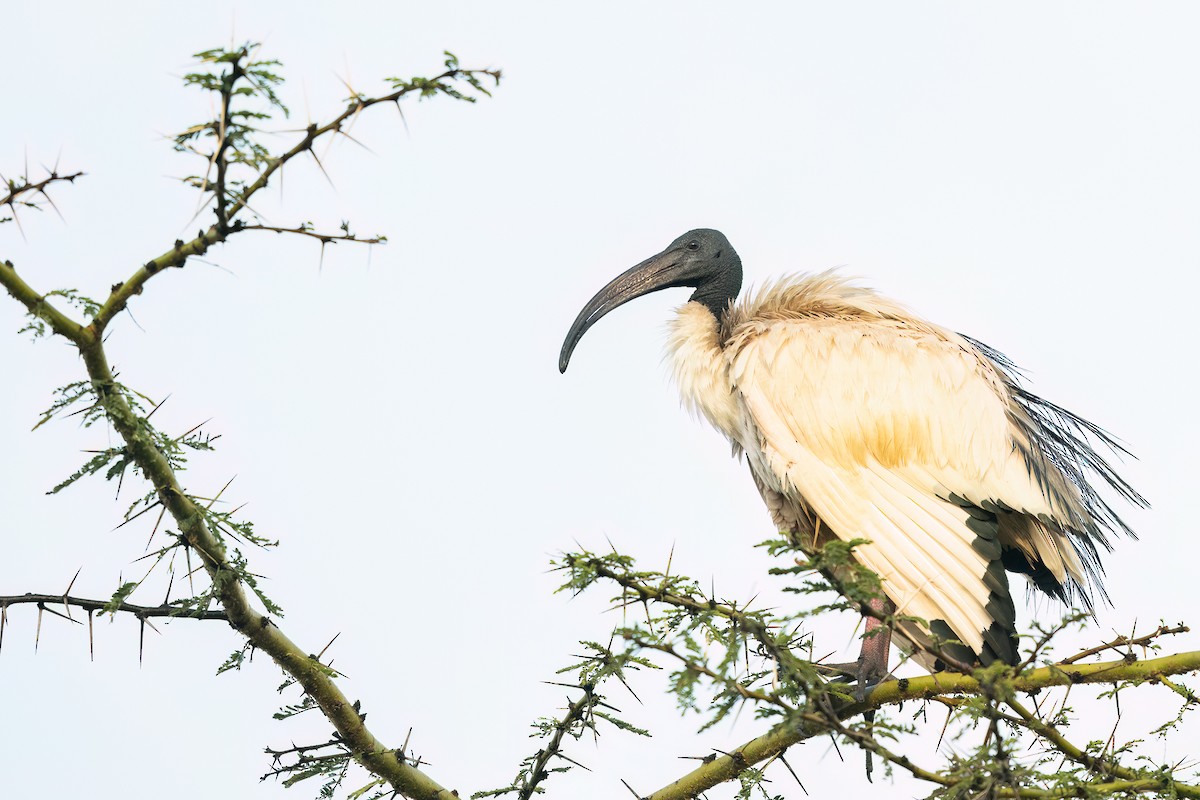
(647, 587)
(357, 105)
(142, 612)
(16, 188)
(177, 256)
(226, 224)
(262, 632)
(730, 765)
(219, 191)
(1132, 784)
(703, 669)
(1072, 751)
(750, 623)
(1125, 641)
(538, 772)
(323, 238)
(1034, 724)
(143, 450)
(306, 758)
(38, 306)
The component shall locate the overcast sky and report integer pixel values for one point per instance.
(1027, 175)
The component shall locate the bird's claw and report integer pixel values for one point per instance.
(865, 679)
(847, 671)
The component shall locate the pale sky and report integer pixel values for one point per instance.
(1026, 174)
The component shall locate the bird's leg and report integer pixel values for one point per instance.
(873, 658)
(876, 646)
(872, 664)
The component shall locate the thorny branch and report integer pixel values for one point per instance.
(229, 81)
(38, 306)
(17, 187)
(641, 591)
(67, 601)
(1128, 641)
(323, 238)
(988, 785)
(807, 704)
(227, 224)
(575, 712)
(332, 754)
(47, 603)
(700, 668)
(580, 716)
(824, 719)
(196, 525)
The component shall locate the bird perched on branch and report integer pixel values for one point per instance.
(862, 421)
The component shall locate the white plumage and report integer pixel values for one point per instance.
(860, 420)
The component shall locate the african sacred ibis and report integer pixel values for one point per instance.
(861, 420)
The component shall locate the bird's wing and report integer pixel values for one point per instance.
(889, 433)
(1060, 452)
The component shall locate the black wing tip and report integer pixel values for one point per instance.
(1063, 442)
(1000, 644)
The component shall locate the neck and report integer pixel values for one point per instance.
(717, 290)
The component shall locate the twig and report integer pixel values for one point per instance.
(753, 626)
(323, 238)
(553, 749)
(164, 610)
(1125, 641)
(703, 669)
(227, 225)
(1060, 743)
(21, 186)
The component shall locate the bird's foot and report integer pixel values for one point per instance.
(847, 671)
(864, 685)
(865, 680)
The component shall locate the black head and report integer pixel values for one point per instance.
(703, 259)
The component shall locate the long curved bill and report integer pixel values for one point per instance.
(656, 272)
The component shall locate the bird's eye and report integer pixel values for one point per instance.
(693, 245)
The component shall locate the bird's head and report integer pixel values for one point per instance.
(703, 259)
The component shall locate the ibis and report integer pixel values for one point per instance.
(861, 421)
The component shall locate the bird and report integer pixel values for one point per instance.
(862, 422)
